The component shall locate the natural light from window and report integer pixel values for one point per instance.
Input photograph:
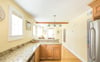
(39, 31)
(16, 25)
(50, 33)
(34, 31)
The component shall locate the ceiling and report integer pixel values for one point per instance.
(65, 10)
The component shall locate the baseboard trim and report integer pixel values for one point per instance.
(75, 54)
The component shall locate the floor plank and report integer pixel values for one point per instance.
(67, 56)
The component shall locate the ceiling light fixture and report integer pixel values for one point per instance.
(54, 22)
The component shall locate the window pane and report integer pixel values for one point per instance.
(39, 32)
(34, 30)
(50, 33)
(16, 25)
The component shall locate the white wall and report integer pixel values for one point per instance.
(76, 36)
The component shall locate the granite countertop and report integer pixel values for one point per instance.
(24, 53)
(20, 55)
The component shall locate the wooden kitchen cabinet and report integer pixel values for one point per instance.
(57, 52)
(31, 59)
(43, 51)
(50, 51)
(96, 9)
(37, 55)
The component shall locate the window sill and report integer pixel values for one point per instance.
(12, 38)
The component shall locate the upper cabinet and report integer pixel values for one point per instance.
(96, 9)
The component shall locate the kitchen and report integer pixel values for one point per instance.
(27, 40)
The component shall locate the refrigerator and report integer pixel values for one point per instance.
(93, 45)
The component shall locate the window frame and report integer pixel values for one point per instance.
(17, 13)
(34, 35)
(37, 27)
(53, 33)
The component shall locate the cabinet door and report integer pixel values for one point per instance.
(32, 59)
(37, 55)
(43, 52)
(96, 12)
(96, 9)
(57, 51)
(49, 51)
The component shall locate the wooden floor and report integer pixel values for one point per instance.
(67, 56)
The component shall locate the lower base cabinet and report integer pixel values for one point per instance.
(32, 58)
(50, 51)
(57, 52)
(37, 55)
